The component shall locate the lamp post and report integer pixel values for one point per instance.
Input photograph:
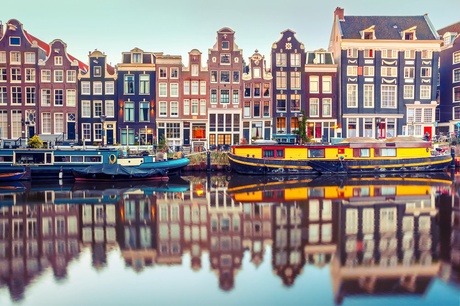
(102, 118)
(301, 128)
(377, 127)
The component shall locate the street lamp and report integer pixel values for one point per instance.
(102, 117)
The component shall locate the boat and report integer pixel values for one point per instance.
(358, 155)
(15, 175)
(60, 162)
(115, 172)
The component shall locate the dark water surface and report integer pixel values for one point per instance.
(232, 240)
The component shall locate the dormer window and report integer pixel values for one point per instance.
(137, 58)
(368, 33)
(225, 45)
(448, 38)
(409, 34)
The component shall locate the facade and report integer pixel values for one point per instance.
(195, 105)
(387, 74)
(136, 79)
(287, 63)
(96, 99)
(169, 123)
(225, 65)
(449, 80)
(322, 107)
(257, 99)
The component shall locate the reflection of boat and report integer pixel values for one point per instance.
(54, 163)
(115, 172)
(353, 155)
(270, 189)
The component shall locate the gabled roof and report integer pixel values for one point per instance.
(453, 28)
(46, 47)
(387, 27)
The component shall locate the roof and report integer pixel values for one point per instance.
(453, 28)
(46, 47)
(387, 27)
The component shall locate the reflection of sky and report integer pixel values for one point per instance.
(180, 285)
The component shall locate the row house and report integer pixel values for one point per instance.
(38, 87)
(449, 80)
(287, 62)
(257, 99)
(168, 120)
(136, 79)
(388, 68)
(225, 64)
(321, 106)
(97, 101)
(195, 105)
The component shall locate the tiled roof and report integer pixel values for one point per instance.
(454, 28)
(386, 27)
(46, 47)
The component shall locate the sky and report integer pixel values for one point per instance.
(177, 26)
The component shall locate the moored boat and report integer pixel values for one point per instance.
(16, 175)
(353, 155)
(115, 172)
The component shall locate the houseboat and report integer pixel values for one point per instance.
(59, 163)
(358, 155)
(118, 173)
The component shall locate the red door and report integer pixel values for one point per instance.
(428, 129)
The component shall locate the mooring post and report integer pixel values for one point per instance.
(452, 153)
(208, 160)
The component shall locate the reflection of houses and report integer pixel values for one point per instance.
(98, 230)
(225, 233)
(136, 228)
(389, 241)
(33, 238)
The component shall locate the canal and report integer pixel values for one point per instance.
(232, 240)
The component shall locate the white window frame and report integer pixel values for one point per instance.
(352, 95)
(390, 103)
(368, 96)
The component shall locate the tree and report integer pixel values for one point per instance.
(35, 142)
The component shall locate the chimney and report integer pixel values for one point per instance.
(1, 29)
(339, 12)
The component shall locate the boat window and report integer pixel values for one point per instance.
(58, 159)
(279, 153)
(7, 158)
(316, 153)
(93, 159)
(388, 152)
(361, 153)
(77, 159)
(269, 153)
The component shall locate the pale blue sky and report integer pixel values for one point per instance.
(176, 27)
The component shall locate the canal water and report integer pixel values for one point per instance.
(232, 240)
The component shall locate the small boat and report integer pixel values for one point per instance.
(358, 155)
(15, 175)
(115, 172)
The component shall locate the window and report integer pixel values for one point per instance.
(295, 103)
(427, 54)
(3, 75)
(174, 73)
(129, 84)
(236, 76)
(163, 110)
(225, 58)
(389, 71)
(352, 127)
(327, 84)
(224, 96)
(368, 53)
(426, 72)
(163, 74)
(236, 96)
(247, 90)
(30, 95)
(281, 125)
(3, 95)
(225, 45)
(352, 70)
(2, 57)
(58, 123)
(195, 69)
(266, 90)
(58, 76)
(15, 57)
(225, 76)
(174, 89)
(46, 75)
(388, 96)
(352, 95)
(327, 107)
(71, 76)
(86, 131)
(368, 71)
(314, 107)
(388, 53)
(128, 111)
(110, 108)
(46, 123)
(162, 89)
(46, 97)
(352, 52)
(295, 80)
(456, 94)
(15, 75)
(58, 60)
(425, 91)
(174, 109)
(97, 72)
(85, 88)
(368, 35)
(203, 107)
(456, 75)
(194, 106)
(109, 88)
(16, 95)
(186, 87)
(86, 109)
(97, 88)
(409, 72)
(97, 112)
(368, 95)
(457, 113)
(281, 80)
(29, 57)
(144, 84)
(195, 87)
(295, 59)
(144, 111)
(409, 54)
(266, 109)
(408, 91)
(247, 109)
(213, 96)
(202, 87)
(455, 57)
(213, 76)
(280, 102)
(71, 97)
(281, 59)
(186, 107)
(58, 97)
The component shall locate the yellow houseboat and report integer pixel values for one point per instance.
(351, 156)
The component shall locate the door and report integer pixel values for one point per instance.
(109, 137)
(429, 130)
(71, 130)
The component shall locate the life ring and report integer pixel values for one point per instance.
(112, 159)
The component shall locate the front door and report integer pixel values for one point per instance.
(71, 130)
(429, 130)
(109, 137)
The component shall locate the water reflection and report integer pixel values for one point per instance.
(379, 236)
